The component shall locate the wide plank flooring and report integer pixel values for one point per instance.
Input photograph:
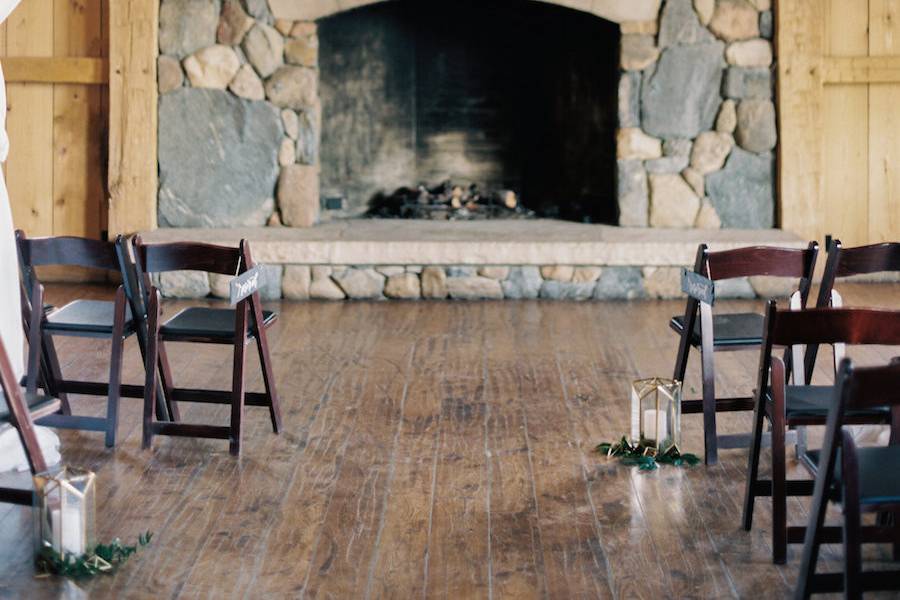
(430, 449)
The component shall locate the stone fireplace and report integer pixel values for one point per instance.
(637, 114)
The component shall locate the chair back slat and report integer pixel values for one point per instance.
(188, 256)
(833, 325)
(863, 260)
(761, 260)
(874, 386)
(67, 251)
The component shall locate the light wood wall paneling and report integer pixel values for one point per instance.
(30, 121)
(132, 115)
(884, 125)
(844, 211)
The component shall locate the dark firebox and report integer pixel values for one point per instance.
(448, 202)
(512, 94)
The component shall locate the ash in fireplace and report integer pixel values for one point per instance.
(448, 202)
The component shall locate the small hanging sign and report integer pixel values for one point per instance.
(244, 284)
(698, 287)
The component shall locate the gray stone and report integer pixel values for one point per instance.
(184, 284)
(234, 23)
(630, 99)
(522, 283)
(756, 130)
(218, 159)
(293, 87)
(474, 288)
(361, 283)
(743, 192)
(291, 123)
(637, 52)
(673, 202)
(494, 272)
(747, 83)
(735, 288)
(620, 283)
(677, 147)
(634, 201)
(307, 137)
(567, 290)
(168, 74)
(212, 67)
(766, 26)
(667, 164)
(558, 272)
(403, 285)
(185, 26)
(270, 282)
(680, 96)
(295, 282)
(680, 24)
(264, 48)
(434, 282)
(247, 84)
(461, 271)
(259, 9)
(298, 195)
(735, 20)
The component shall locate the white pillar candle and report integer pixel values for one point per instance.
(651, 418)
(67, 531)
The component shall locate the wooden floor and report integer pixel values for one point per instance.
(431, 449)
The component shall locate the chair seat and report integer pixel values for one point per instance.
(804, 401)
(737, 329)
(87, 316)
(199, 322)
(35, 402)
(874, 487)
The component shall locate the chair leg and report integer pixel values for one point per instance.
(852, 546)
(779, 476)
(54, 373)
(708, 371)
(237, 384)
(262, 348)
(165, 374)
(759, 419)
(115, 380)
(150, 371)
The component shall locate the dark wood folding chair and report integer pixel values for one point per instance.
(846, 262)
(237, 326)
(20, 410)
(786, 405)
(114, 320)
(860, 479)
(700, 328)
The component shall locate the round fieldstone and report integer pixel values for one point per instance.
(756, 130)
(293, 87)
(169, 74)
(673, 202)
(264, 48)
(213, 67)
(247, 84)
(710, 150)
(234, 23)
(522, 283)
(735, 20)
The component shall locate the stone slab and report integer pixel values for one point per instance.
(533, 242)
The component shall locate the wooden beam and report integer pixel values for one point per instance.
(39, 69)
(862, 69)
(132, 115)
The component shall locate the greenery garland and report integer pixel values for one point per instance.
(644, 456)
(105, 558)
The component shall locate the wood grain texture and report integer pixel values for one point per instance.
(431, 449)
(56, 70)
(132, 175)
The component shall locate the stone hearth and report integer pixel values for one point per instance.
(551, 259)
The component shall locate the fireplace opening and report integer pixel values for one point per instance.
(512, 96)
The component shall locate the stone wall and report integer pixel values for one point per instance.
(464, 282)
(239, 116)
(697, 118)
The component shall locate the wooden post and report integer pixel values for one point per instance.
(133, 45)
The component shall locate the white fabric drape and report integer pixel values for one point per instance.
(10, 310)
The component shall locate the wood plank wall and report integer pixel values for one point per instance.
(839, 89)
(54, 55)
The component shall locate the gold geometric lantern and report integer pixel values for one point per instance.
(64, 507)
(656, 413)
